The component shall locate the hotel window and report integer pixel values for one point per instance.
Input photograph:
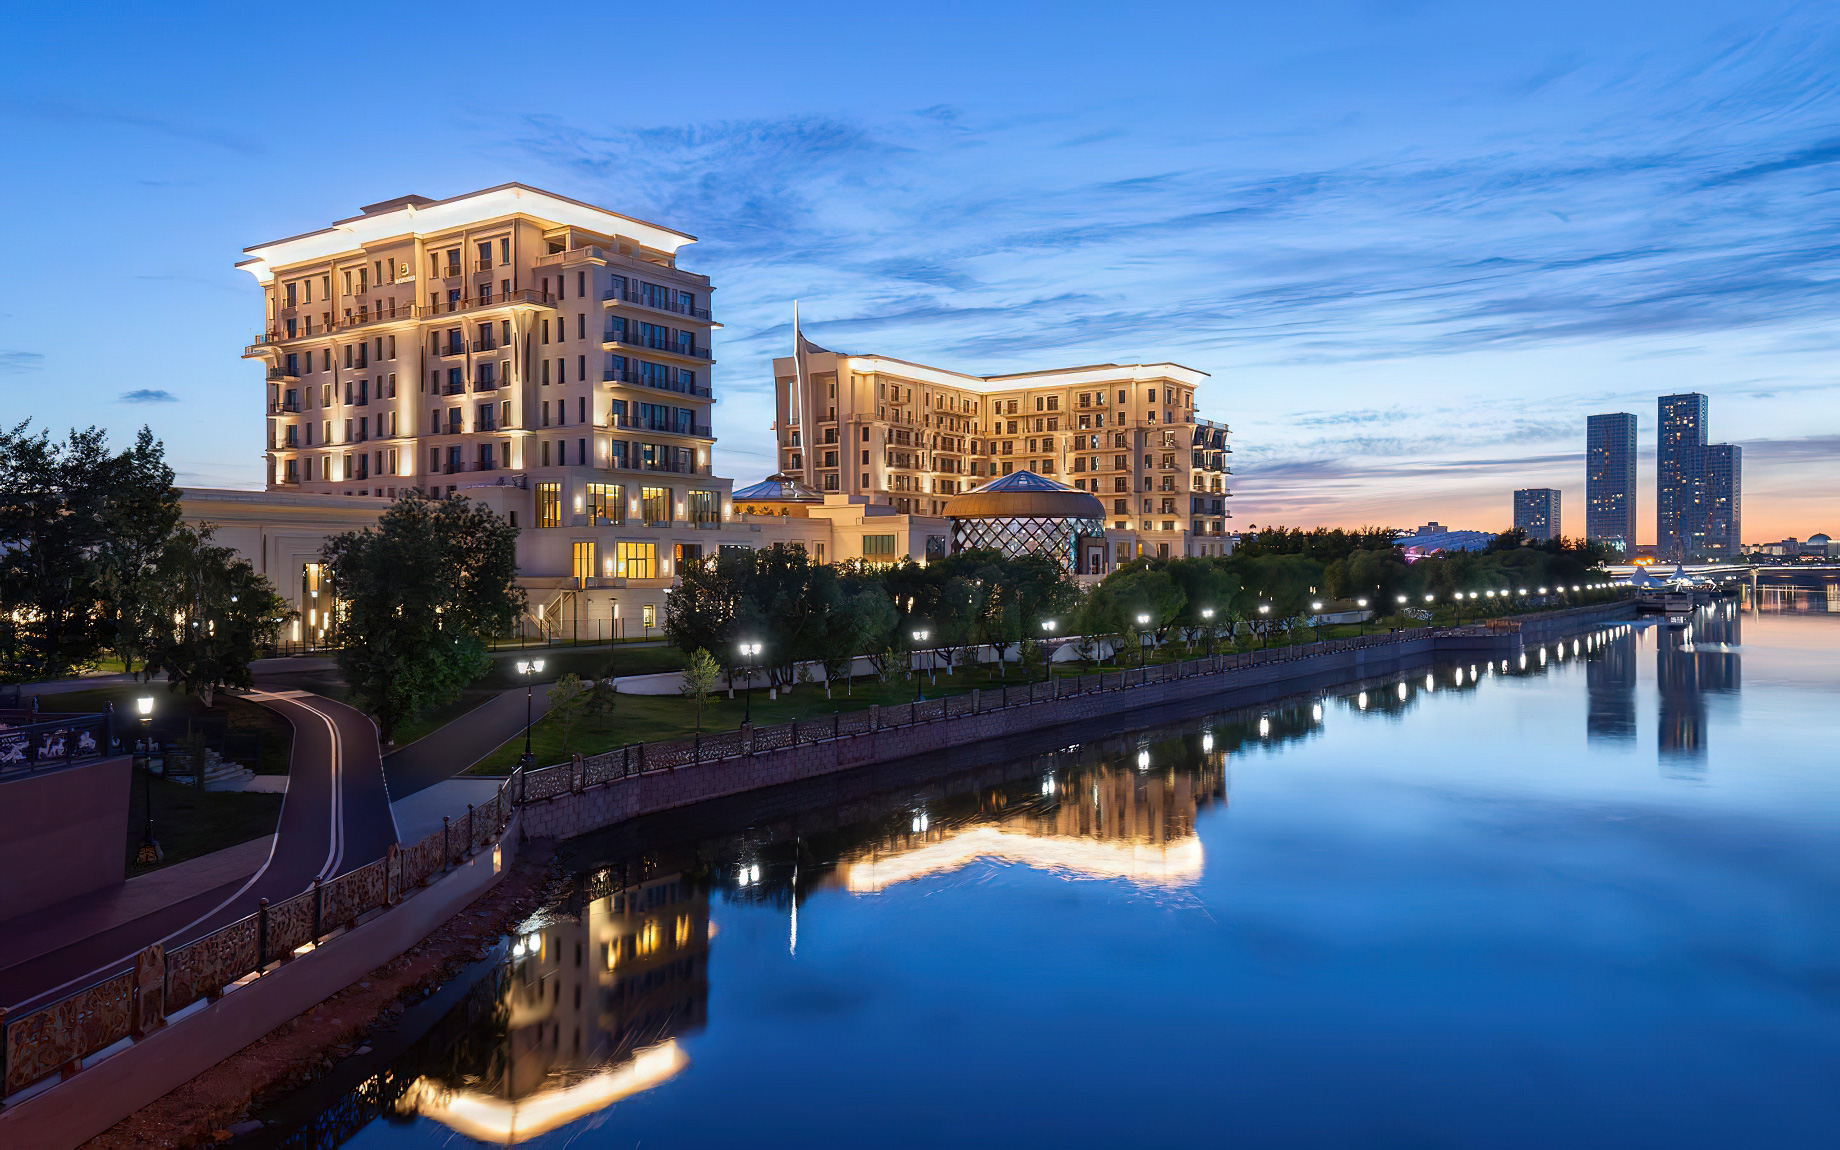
(635, 560)
(648, 616)
(549, 505)
(878, 546)
(583, 555)
(655, 506)
(703, 508)
(606, 504)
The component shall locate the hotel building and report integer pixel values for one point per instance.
(540, 355)
(910, 437)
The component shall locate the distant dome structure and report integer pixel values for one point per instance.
(775, 495)
(1023, 513)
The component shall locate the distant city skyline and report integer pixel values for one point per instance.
(1413, 247)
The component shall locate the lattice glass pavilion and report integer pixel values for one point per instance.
(1023, 513)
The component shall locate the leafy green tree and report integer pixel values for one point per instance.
(204, 612)
(79, 527)
(1207, 584)
(1148, 599)
(568, 698)
(701, 674)
(419, 595)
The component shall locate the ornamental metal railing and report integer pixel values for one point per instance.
(717, 746)
(56, 1039)
(30, 744)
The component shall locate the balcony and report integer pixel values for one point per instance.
(620, 338)
(278, 375)
(614, 295)
(633, 378)
(453, 389)
(284, 408)
(508, 299)
(460, 468)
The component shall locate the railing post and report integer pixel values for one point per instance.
(447, 850)
(319, 907)
(261, 935)
(469, 830)
(875, 716)
(642, 758)
(698, 748)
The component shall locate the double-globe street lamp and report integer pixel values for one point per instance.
(1047, 647)
(528, 668)
(1143, 622)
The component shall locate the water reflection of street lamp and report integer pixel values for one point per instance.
(749, 652)
(919, 638)
(528, 669)
(149, 852)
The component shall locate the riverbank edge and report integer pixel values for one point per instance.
(584, 809)
(207, 1107)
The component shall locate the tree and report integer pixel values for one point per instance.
(701, 673)
(139, 517)
(203, 612)
(418, 596)
(568, 697)
(78, 525)
(1147, 600)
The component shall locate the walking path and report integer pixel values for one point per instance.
(336, 817)
(443, 753)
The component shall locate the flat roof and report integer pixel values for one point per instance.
(1049, 377)
(418, 215)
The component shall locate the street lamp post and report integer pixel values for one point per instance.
(1047, 646)
(149, 852)
(529, 669)
(1264, 610)
(749, 652)
(919, 638)
(1143, 621)
(1207, 617)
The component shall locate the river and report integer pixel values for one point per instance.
(1591, 900)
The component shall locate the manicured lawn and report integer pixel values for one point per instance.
(259, 738)
(189, 822)
(586, 663)
(646, 718)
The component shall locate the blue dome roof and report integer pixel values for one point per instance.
(778, 488)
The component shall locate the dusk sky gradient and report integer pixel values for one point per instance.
(1414, 244)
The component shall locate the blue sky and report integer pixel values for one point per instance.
(1414, 244)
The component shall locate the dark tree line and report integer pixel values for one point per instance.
(94, 561)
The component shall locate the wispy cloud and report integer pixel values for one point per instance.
(1670, 208)
(80, 116)
(12, 362)
(148, 395)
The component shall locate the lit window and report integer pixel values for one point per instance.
(549, 505)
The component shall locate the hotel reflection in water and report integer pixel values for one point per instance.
(594, 999)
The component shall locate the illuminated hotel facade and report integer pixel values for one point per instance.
(906, 436)
(547, 358)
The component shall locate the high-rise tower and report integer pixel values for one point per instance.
(1680, 465)
(1610, 480)
(1724, 500)
(1536, 512)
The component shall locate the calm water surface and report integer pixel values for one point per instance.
(1588, 902)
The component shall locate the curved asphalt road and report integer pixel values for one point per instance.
(335, 818)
